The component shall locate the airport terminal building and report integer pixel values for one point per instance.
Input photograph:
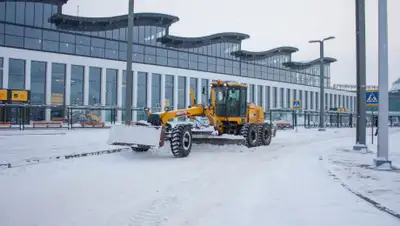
(70, 60)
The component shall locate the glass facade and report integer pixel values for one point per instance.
(268, 97)
(111, 87)
(77, 84)
(58, 72)
(251, 93)
(169, 91)
(259, 95)
(182, 92)
(38, 89)
(94, 86)
(193, 87)
(205, 87)
(274, 97)
(141, 94)
(111, 91)
(156, 92)
(16, 74)
(26, 25)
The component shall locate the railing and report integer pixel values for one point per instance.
(28, 116)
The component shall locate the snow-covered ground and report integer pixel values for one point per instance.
(284, 184)
(18, 145)
(357, 171)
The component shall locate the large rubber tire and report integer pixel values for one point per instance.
(265, 134)
(140, 148)
(250, 134)
(181, 141)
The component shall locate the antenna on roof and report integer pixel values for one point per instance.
(77, 10)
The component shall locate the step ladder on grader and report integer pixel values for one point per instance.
(234, 120)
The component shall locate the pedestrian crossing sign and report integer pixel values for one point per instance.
(372, 98)
(296, 104)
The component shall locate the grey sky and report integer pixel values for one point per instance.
(273, 23)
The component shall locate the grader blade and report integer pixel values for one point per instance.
(136, 135)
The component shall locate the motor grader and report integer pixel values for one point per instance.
(228, 111)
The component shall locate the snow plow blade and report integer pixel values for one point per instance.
(136, 135)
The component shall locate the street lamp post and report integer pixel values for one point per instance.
(361, 77)
(129, 74)
(321, 83)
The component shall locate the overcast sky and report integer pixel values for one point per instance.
(273, 23)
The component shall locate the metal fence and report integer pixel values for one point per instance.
(28, 116)
(286, 118)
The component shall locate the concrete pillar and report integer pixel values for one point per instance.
(28, 75)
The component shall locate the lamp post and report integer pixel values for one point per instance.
(321, 83)
(361, 133)
(129, 74)
(382, 157)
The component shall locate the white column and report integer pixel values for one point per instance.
(28, 75)
(103, 92)
(278, 97)
(285, 97)
(248, 92)
(255, 94)
(149, 90)
(162, 93)
(271, 97)
(188, 101)
(67, 84)
(199, 92)
(48, 90)
(264, 102)
(176, 92)
(119, 95)
(5, 72)
(86, 86)
(134, 94)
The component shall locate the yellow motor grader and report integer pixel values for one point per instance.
(228, 112)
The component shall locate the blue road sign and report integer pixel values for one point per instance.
(372, 98)
(296, 104)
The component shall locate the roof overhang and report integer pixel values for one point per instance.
(195, 42)
(68, 22)
(304, 65)
(249, 55)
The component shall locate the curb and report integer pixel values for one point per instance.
(26, 162)
(365, 198)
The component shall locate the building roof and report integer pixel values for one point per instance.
(194, 42)
(304, 65)
(69, 22)
(249, 55)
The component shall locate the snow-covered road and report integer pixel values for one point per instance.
(284, 184)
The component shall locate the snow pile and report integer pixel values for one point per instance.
(358, 172)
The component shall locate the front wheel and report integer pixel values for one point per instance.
(181, 141)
